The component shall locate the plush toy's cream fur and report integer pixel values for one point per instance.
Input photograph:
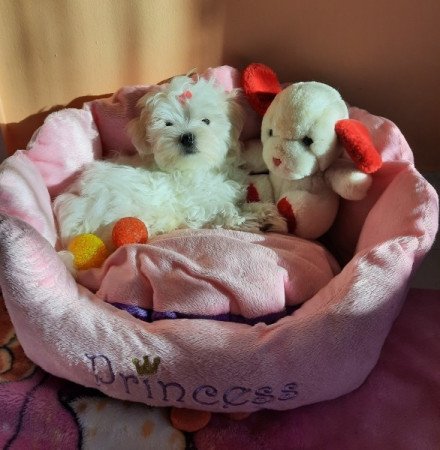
(187, 173)
(304, 157)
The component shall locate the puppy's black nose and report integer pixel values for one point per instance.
(187, 139)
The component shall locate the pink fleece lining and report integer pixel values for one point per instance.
(326, 348)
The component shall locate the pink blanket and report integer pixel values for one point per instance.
(324, 349)
(213, 273)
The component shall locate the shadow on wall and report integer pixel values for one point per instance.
(2, 149)
(381, 56)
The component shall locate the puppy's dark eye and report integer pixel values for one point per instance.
(207, 121)
(270, 132)
(307, 141)
(168, 123)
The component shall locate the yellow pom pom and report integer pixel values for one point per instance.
(88, 251)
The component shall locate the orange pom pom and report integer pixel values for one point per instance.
(189, 420)
(129, 230)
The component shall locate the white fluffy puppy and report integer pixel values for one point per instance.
(187, 174)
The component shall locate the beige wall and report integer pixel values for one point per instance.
(382, 55)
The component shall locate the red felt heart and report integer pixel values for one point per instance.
(356, 139)
(261, 85)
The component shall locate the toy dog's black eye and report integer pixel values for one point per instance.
(207, 121)
(270, 132)
(168, 123)
(307, 141)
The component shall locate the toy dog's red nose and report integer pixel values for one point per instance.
(276, 162)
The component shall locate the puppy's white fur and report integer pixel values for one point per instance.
(176, 181)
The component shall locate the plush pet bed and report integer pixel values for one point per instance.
(209, 319)
(397, 406)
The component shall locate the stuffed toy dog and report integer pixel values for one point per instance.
(304, 132)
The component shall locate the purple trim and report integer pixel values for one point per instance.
(135, 311)
(149, 315)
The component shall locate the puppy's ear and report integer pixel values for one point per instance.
(236, 114)
(137, 128)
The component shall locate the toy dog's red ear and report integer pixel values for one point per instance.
(260, 84)
(356, 139)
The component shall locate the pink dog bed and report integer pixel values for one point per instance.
(209, 319)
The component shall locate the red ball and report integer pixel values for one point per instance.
(129, 230)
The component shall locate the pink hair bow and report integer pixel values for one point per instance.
(186, 95)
